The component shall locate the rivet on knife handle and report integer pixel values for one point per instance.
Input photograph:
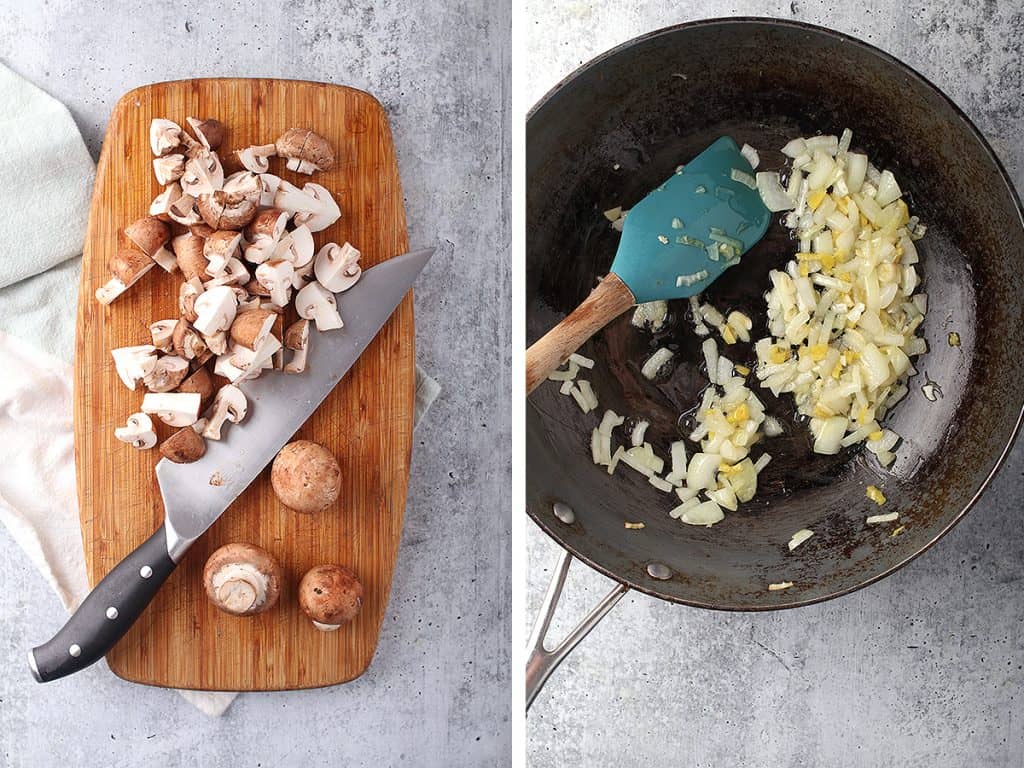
(107, 612)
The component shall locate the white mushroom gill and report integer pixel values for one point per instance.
(240, 587)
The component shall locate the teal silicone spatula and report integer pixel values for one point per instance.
(675, 243)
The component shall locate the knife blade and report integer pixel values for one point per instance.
(195, 495)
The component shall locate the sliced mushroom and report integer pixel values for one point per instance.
(215, 310)
(186, 341)
(167, 374)
(296, 338)
(184, 446)
(312, 205)
(190, 290)
(126, 267)
(251, 328)
(133, 364)
(164, 136)
(161, 204)
(168, 168)
(330, 595)
(229, 405)
(316, 303)
(306, 151)
(218, 248)
(203, 174)
(234, 274)
(337, 267)
(256, 158)
(185, 211)
(242, 579)
(200, 383)
(175, 409)
(162, 332)
(223, 210)
(138, 432)
(190, 249)
(210, 132)
(276, 277)
(296, 246)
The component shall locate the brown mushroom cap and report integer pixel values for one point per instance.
(127, 264)
(184, 446)
(201, 230)
(306, 477)
(330, 594)
(252, 327)
(269, 222)
(149, 233)
(223, 210)
(199, 381)
(306, 145)
(189, 250)
(235, 596)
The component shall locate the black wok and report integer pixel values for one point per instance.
(618, 126)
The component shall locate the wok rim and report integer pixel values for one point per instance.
(547, 524)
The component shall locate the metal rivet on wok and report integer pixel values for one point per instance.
(564, 512)
(659, 571)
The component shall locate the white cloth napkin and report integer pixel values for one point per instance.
(37, 316)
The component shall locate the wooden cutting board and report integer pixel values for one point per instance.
(182, 640)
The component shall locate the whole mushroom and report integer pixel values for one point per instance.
(242, 579)
(306, 477)
(330, 595)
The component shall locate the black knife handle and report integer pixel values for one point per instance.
(106, 613)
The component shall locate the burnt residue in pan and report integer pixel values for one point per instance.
(638, 113)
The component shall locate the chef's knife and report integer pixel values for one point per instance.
(196, 494)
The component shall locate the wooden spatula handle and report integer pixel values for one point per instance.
(606, 302)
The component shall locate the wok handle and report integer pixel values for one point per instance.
(607, 301)
(540, 662)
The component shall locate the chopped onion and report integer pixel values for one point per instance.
(650, 315)
(886, 518)
(751, 155)
(702, 470)
(661, 485)
(637, 436)
(656, 362)
(567, 375)
(799, 538)
(710, 350)
(581, 361)
(774, 197)
(706, 513)
(743, 178)
(780, 585)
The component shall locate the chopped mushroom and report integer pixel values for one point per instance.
(296, 338)
(269, 182)
(226, 210)
(306, 477)
(190, 290)
(138, 432)
(188, 249)
(215, 310)
(263, 234)
(276, 277)
(251, 328)
(217, 342)
(295, 247)
(150, 234)
(175, 409)
(218, 248)
(162, 332)
(203, 175)
(185, 211)
(161, 204)
(164, 136)
(306, 151)
(183, 447)
(167, 374)
(186, 340)
(229, 405)
(256, 159)
(337, 267)
(245, 184)
(133, 364)
(168, 168)
(234, 274)
(316, 303)
(210, 132)
(126, 267)
(242, 579)
(330, 595)
(200, 383)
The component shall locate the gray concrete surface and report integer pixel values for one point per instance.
(436, 693)
(923, 669)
